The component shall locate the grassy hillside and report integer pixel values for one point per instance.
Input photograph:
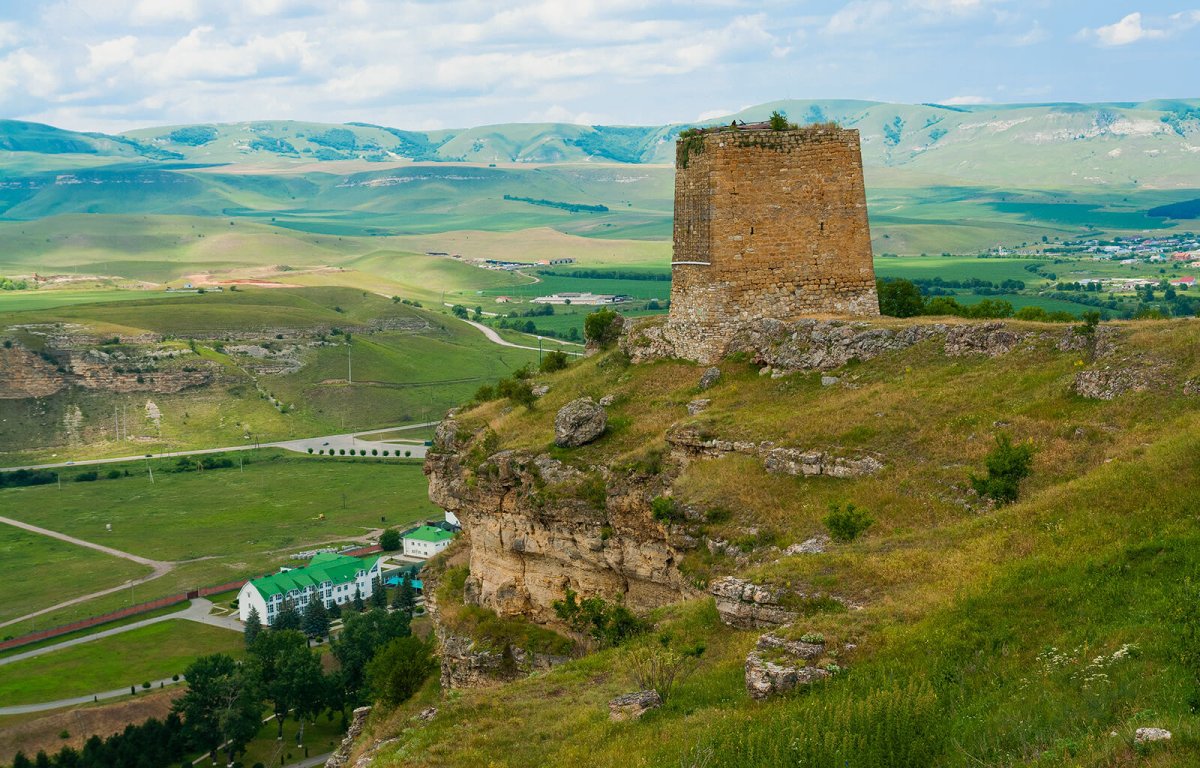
(1040, 633)
(401, 374)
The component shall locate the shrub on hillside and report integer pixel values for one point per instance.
(899, 298)
(602, 327)
(553, 361)
(87, 477)
(848, 523)
(607, 623)
(517, 390)
(1007, 465)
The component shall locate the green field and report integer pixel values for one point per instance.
(18, 301)
(140, 655)
(49, 570)
(240, 522)
(424, 363)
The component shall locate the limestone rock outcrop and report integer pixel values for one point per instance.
(579, 422)
(777, 665)
(1110, 383)
(745, 605)
(341, 756)
(823, 345)
(465, 663)
(632, 706)
(537, 526)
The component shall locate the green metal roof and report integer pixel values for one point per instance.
(338, 569)
(429, 533)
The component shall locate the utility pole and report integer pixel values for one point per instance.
(539, 338)
(150, 469)
(349, 364)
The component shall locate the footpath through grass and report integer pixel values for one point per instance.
(50, 571)
(141, 655)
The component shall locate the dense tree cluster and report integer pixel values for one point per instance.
(222, 709)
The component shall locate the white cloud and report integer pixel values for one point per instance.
(965, 100)
(148, 12)
(24, 73)
(110, 53)
(1135, 28)
(202, 55)
(857, 16)
(713, 114)
(10, 34)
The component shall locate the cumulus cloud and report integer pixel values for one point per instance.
(1135, 28)
(857, 16)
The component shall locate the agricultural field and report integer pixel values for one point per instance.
(251, 518)
(149, 653)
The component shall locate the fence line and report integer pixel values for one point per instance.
(122, 613)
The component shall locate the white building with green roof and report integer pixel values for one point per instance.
(328, 577)
(426, 541)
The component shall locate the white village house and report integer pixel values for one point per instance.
(426, 541)
(329, 577)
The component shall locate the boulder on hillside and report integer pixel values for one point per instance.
(632, 706)
(709, 378)
(579, 422)
(698, 405)
(1148, 735)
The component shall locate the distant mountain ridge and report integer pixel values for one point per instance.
(1155, 143)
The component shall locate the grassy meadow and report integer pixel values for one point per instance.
(248, 520)
(53, 571)
(1042, 633)
(146, 654)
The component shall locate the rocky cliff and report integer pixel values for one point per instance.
(538, 526)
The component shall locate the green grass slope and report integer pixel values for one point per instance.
(1042, 633)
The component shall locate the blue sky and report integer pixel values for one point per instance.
(118, 64)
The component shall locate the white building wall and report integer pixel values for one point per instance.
(248, 598)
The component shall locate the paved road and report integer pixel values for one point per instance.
(494, 337)
(301, 446)
(25, 709)
(199, 611)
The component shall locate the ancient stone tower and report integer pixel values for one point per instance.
(768, 224)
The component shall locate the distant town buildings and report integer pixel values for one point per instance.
(514, 265)
(330, 578)
(585, 299)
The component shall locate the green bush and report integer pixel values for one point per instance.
(899, 298)
(517, 390)
(1007, 465)
(607, 623)
(602, 327)
(847, 524)
(553, 361)
(666, 510)
(390, 540)
(87, 477)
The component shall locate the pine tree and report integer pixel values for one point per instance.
(316, 619)
(358, 601)
(287, 618)
(253, 626)
(379, 594)
(406, 597)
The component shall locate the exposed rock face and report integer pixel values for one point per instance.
(467, 665)
(823, 345)
(632, 706)
(532, 536)
(1110, 383)
(698, 405)
(579, 422)
(789, 461)
(750, 606)
(24, 374)
(341, 757)
(814, 546)
(777, 665)
(709, 378)
(688, 443)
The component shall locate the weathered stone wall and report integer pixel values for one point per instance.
(768, 224)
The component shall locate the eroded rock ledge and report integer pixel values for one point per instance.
(822, 345)
(688, 442)
(537, 527)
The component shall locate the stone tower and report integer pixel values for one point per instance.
(768, 224)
